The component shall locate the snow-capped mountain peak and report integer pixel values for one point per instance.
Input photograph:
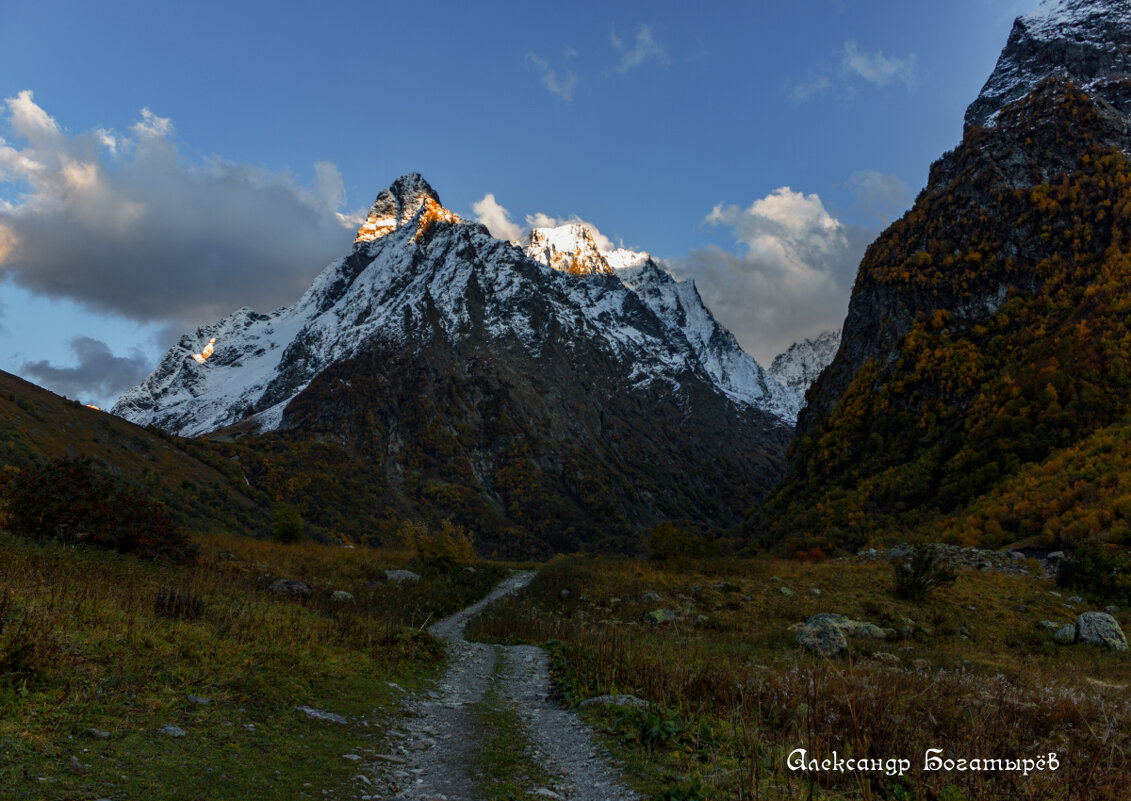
(1086, 41)
(568, 248)
(418, 274)
(399, 204)
(572, 249)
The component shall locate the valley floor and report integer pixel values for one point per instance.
(491, 729)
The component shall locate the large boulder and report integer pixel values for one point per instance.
(823, 634)
(1100, 628)
(662, 617)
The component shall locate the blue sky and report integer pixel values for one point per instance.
(164, 164)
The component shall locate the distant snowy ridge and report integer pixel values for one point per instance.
(803, 361)
(418, 271)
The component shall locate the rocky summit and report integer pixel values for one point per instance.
(547, 392)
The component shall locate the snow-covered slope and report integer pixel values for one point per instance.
(678, 305)
(418, 271)
(800, 364)
(1085, 41)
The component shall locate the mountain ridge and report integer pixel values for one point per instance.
(466, 380)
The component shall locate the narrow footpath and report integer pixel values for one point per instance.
(439, 754)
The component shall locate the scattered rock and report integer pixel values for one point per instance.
(1111, 609)
(563, 595)
(619, 699)
(545, 792)
(997, 561)
(77, 767)
(869, 630)
(199, 699)
(1054, 593)
(651, 597)
(1100, 628)
(401, 575)
(1075, 599)
(660, 617)
(816, 592)
(99, 734)
(290, 587)
(172, 731)
(786, 591)
(1055, 556)
(701, 619)
(320, 714)
(351, 757)
(886, 658)
(1048, 625)
(1021, 608)
(341, 596)
(1066, 634)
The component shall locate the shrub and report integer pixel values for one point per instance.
(449, 547)
(924, 571)
(70, 500)
(178, 604)
(1098, 570)
(287, 524)
(670, 541)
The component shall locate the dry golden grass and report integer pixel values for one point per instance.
(732, 695)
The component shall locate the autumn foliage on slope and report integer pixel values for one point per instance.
(1017, 353)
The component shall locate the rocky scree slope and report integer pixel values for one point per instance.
(987, 328)
(483, 385)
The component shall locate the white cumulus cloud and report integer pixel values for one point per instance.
(497, 219)
(791, 277)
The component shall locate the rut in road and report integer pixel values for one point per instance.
(442, 739)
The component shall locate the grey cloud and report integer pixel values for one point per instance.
(122, 224)
(99, 373)
(880, 197)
